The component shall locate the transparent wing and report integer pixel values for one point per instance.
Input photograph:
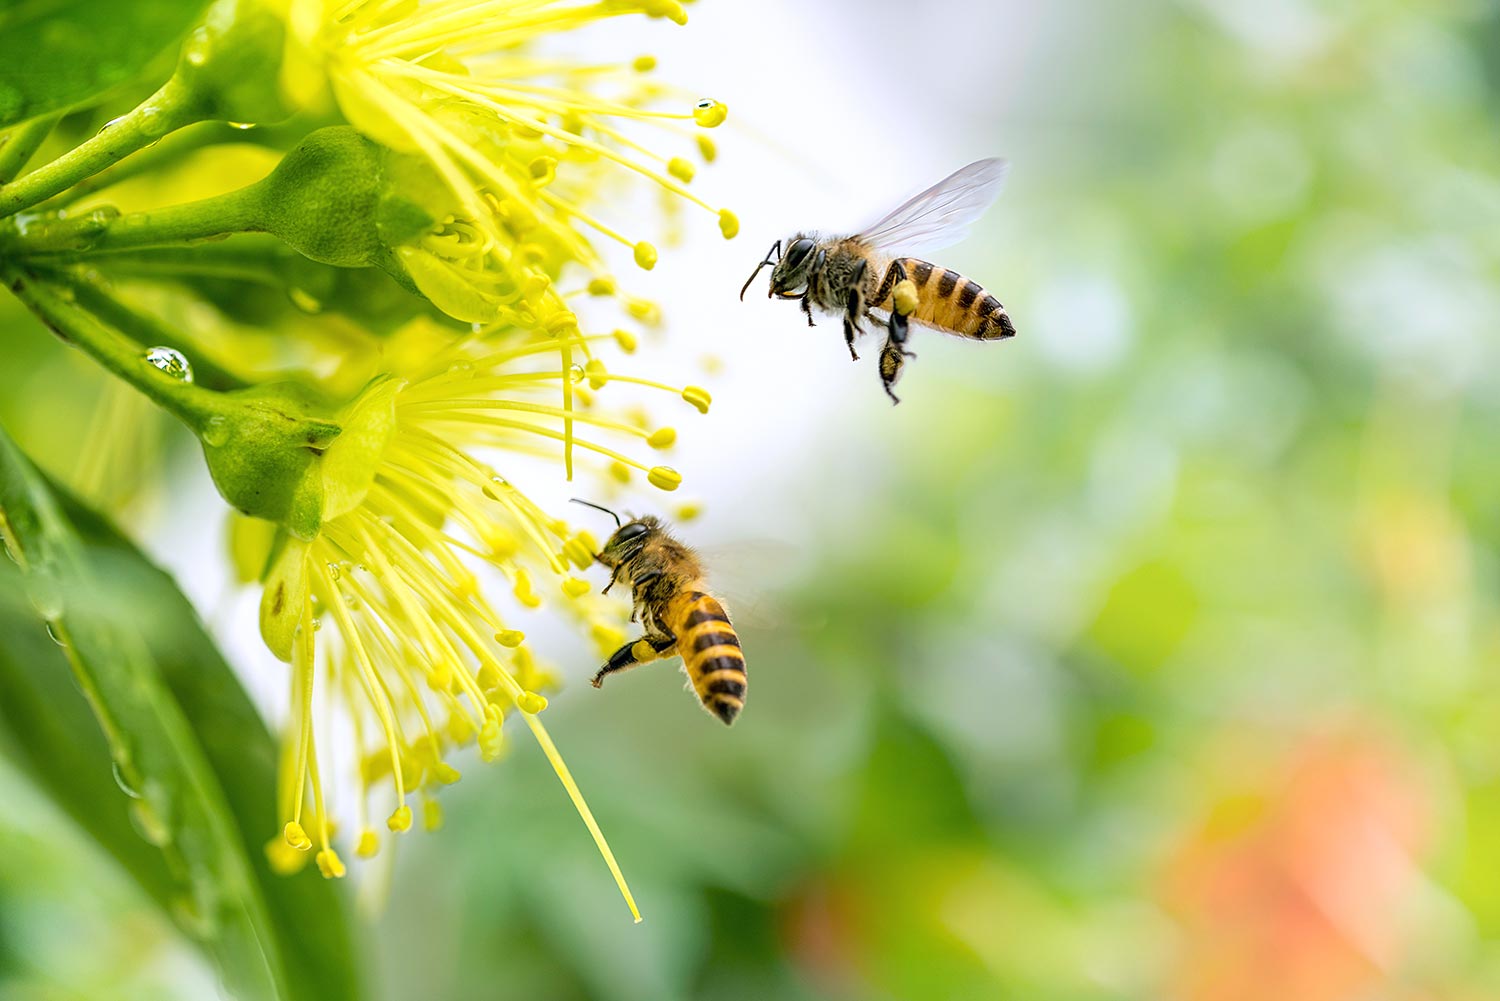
(940, 216)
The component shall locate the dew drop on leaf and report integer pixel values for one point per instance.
(170, 361)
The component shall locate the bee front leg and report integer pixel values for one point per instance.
(807, 309)
(854, 308)
(641, 651)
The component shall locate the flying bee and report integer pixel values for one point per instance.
(863, 276)
(672, 603)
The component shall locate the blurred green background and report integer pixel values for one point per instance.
(1159, 657)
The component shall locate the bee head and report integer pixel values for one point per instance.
(628, 540)
(791, 273)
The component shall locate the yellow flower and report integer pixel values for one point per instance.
(384, 609)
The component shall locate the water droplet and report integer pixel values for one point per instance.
(241, 125)
(45, 593)
(170, 361)
(56, 638)
(317, 624)
(126, 786)
(496, 484)
(334, 571)
(110, 124)
(461, 367)
(216, 431)
(148, 824)
(476, 328)
(576, 374)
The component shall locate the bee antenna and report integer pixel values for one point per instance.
(775, 249)
(597, 507)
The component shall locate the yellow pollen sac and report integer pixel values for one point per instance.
(523, 592)
(531, 703)
(662, 438)
(491, 740)
(606, 636)
(329, 864)
(645, 255)
(575, 587)
(644, 64)
(626, 340)
(698, 397)
(710, 113)
(681, 169)
(602, 286)
(511, 638)
(707, 149)
(283, 858)
(597, 374)
(446, 773)
(296, 836)
(580, 550)
(672, 10)
(368, 845)
(729, 224)
(432, 815)
(689, 510)
(400, 820)
(904, 297)
(564, 322)
(664, 478)
(620, 471)
(543, 170)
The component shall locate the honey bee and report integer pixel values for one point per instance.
(862, 276)
(679, 615)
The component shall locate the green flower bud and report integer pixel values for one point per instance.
(323, 199)
(231, 64)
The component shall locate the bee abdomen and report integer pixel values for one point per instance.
(711, 654)
(949, 301)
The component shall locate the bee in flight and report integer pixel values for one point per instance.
(672, 603)
(865, 276)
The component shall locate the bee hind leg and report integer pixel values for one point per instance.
(641, 651)
(892, 360)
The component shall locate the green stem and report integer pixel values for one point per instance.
(169, 109)
(105, 230)
(23, 142)
(193, 405)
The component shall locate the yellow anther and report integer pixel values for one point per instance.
(602, 285)
(729, 224)
(543, 170)
(644, 64)
(672, 10)
(562, 322)
(580, 550)
(620, 472)
(644, 310)
(576, 587)
(446, 773)
(645, 255)
(432, 815)
(904, 297)
(329, 864)
(511, 638)
(460, 730)
(710, 113)
(698, 397)
(689, 510)
(626, 340)
(295, 836)
(283, 858)
(368, 845)
(400, 820)
(707, 149)
(664, 478)
(491, 739)
(502, 543)
(606, 636)
(681, 169)
(662, 438)
(531, 703)
(597, 374)
(523, 592)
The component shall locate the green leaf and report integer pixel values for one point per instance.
(163, 760)
(57, 54)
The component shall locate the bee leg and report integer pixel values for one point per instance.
(892, 359)
(807, 309)
(899, 327)
(641, 651)
(854, 308)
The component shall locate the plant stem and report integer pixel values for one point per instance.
(23, 142)
(104, 230)
(193, 405)
(169, 109)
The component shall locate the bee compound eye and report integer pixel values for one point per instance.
(797, 253)
(631, 531)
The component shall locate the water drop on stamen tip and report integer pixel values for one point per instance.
(52, 632)
(120, 780)
(495, 484)
(171, 361)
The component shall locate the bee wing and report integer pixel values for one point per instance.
(940, 216)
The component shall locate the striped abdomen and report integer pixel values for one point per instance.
(952, 303)
(710, 653)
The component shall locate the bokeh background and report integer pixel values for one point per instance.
(1153, 654)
